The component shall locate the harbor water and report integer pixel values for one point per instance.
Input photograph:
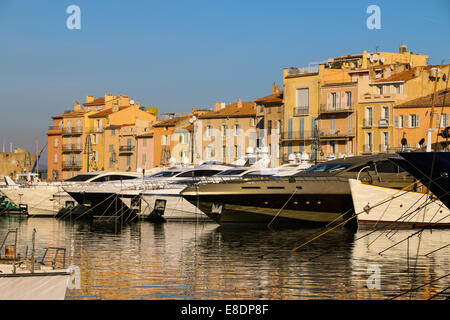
(188, 260)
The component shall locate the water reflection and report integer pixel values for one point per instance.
(204, 261)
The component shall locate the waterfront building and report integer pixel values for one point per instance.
(16, 161)
(225, 133)
(145, 150)
(269, 121)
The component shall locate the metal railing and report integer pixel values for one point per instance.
(72, 130)
(71, 164)
(368, 148)
(72, 147)
(324, 108)
(298, 135)
(300, 111)
(335, 132)
(126, 148)
(367, 123)
(383, 123)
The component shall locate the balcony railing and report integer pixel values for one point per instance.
(384, 148)
(54, 128)
(71, 165)
(126, 149)
(324, 108)
(95, 130)
(301, 111)
(368, 148)
(72, 147)
(67, 131)
(335, 133)
(383, 123)
(298, 135)
(367, 123)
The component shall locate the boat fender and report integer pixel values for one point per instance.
(29, 183)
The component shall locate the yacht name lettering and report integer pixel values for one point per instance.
(193, 310)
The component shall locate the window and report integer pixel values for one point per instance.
(385, 113)
(269, 126)
(368, 119)
(302, 96)
(350, 123)
(111, 162)
(113, 132)
(398, 122)
(237, 151)
(198, 173)
(442, 120)
(334, 100)
(95, 138)
(128, 160)
(414, 121)
(144, 142)
(56, 142)
(236, 130)
(144, 159)
(224, 130)
(349, 99)
(111, 148)
(55, 158)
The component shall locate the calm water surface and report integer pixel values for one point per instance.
(178, 260)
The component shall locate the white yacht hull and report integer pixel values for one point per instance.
(380, 205)
(176, 207)
(40, 201)
(33, 287)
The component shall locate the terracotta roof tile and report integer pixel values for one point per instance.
(271, 98)
(106, 112)
(232, 111)
(95, 102)
(443, 96)
(169, 122)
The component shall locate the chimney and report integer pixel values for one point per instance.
(275, 88)
(89, 99)
(217, 106)
(239, 103)
(222, 105)
(77, 106)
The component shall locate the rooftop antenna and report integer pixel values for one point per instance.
(376, 48)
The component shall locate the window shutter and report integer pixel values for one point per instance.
(342, 100)
(328, 101)
(407, 121)
(396, 122)
(417, 121)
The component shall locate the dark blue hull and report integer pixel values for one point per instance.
(423, 165)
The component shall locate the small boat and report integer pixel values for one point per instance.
(26, 278)
(387, 207)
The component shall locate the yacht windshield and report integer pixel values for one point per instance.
(328, 167)
(164, 174)
(82, 177)
(232, 172)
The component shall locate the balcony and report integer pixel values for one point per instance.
(367, 123)
(367, 148)
(95, 130)
(335, 133)
(324, 108)
(54, 128)
(71, 165)
(383, 123)
(384, 148)
(67, 148)
(301, 111)
(298, 135)
(72, 131)
(126, 149)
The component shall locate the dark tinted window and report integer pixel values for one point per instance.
(387, 167)
(198, 173)
(328, 167)
(164, 174)
(81, 177)
(232, 172)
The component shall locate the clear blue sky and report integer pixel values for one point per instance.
(176, 55)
